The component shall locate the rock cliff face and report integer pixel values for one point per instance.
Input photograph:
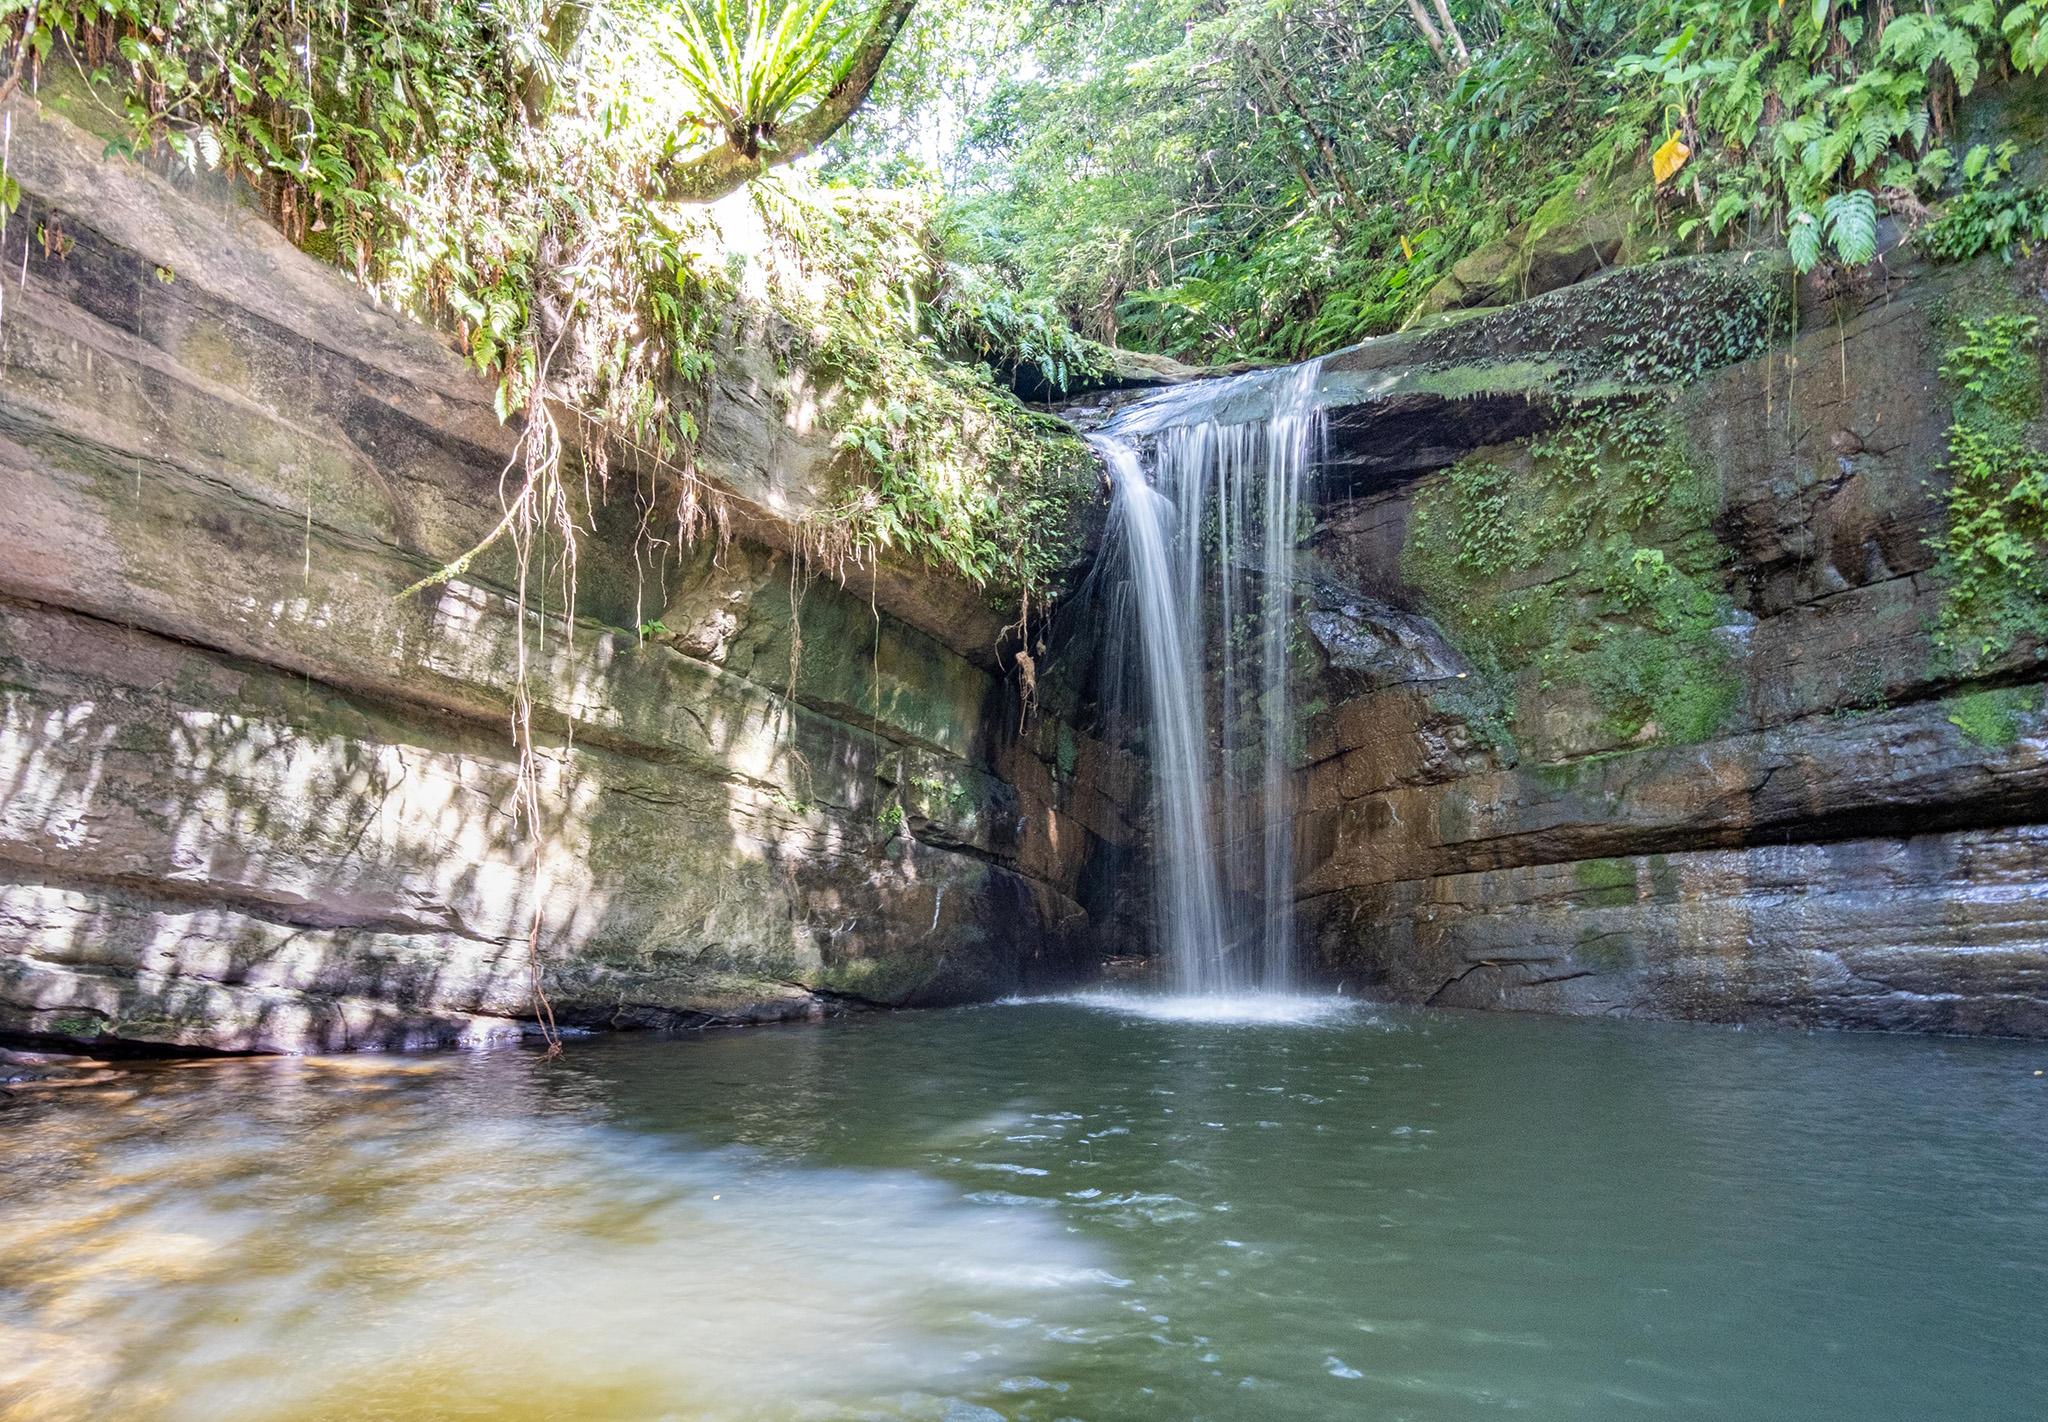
(1682, 737)
(253, 800)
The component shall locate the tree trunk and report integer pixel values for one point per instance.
(1428, 28)
(1287, 96)
(1443, 12)
(1453, 62)
(564, 26)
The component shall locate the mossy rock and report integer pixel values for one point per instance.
(1482, 278)
(1653, 324)
(1586, 562)
(2015, 111)
(1583, 229)
(1994, 719)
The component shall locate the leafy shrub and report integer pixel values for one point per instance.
(749, 72)
(976, 317)
(1991, 213)
(1796, 109)
(1992, 552)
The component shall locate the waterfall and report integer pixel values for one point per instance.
(1208, 544)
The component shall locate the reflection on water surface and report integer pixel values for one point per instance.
(1043, 1211)
(459, 1238)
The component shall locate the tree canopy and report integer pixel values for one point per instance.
(1210, 178)
(1224, 178)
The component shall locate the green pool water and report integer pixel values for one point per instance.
(1045, 1210)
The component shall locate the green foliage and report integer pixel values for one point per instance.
(1996, 370)
(1190, 177)
(1812, 110)
(1487, 542)
(328, 120)
(975, 317)
(1990, 551)
(1991, 555)
(1661, 666)
(1992, 718)
(394, 140)
(1990, 213)
(1592, 565)
(2025, 28)
(1225, 179)
(939, 462)
(748, 73)
(1850, 221)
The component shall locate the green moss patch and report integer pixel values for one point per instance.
(1991, 555)
(1593, 563)
(1605, 883)
(1992, 718)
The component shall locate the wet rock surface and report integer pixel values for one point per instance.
(1369, 645)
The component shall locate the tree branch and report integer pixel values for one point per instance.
(537, 80)
(1270, 76)
(710, 176)
(1443, 12)
(1429, 33)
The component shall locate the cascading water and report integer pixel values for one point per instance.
(1208, 543)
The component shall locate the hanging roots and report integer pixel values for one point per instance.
(541, 522)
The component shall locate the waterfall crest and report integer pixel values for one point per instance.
(1208, 538)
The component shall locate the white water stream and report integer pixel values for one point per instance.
(1206, 516)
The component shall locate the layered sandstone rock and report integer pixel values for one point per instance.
(253, 799)
(1836, 850)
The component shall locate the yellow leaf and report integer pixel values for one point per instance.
(1668, 159)
(1407, 248)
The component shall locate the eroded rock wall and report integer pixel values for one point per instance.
(1831, 838)
(250, 798)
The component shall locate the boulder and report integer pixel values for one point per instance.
(1579, 232)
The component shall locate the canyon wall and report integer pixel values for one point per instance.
(252, 798)
(1639, 685)
(1631, 677)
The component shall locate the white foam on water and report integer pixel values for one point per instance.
(1240, 1009)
